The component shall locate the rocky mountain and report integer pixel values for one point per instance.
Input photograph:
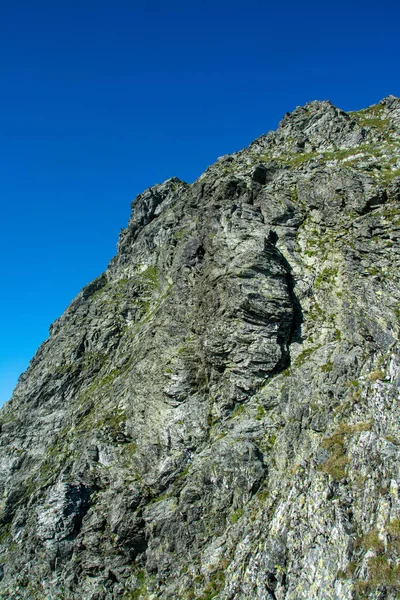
(217, 415)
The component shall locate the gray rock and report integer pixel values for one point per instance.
(217, 415)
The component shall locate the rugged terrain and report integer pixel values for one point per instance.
(217, 415)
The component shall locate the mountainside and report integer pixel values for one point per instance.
(217, 415)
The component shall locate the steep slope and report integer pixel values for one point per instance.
(217, 415)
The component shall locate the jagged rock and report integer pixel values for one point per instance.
(217, 415)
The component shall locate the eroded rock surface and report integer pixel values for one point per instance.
(217, 415)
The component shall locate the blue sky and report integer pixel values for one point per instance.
(100, 100)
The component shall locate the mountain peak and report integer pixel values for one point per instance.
(233, 371)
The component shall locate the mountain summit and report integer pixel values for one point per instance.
(217, 415)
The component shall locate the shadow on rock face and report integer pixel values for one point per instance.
(250, 317)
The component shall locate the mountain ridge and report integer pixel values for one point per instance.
(216, 415)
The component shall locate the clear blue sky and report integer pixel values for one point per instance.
(100, 100)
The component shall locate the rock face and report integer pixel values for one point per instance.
(217, 415)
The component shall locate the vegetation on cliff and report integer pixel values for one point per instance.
(217, 415)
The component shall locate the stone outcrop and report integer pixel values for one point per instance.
(217, 415)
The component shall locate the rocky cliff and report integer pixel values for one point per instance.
(217, 415)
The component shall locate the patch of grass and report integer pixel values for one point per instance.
(336, 464)
(392, 440)
(260, 413)
(235, 516)
(394, 534)
(239, 410)
(326, 276)
(150, 276)
(377, 375)
(121, 283)
(372, 117)
(327, 367)
(337, 335)
(213, 587)
(113, 422)
(183, 473)
(389, 174)
(375, 122)
(262, 494)
(370, 541)
(159, 498)
(348, 572)
(341, 154)
(94, 360)
(304, 356)
(268, 443)
(383, 566)
(64, 368)
(109, 378)
(353, 384)
(299, 159)
(100, 292)
(380, 573)
(141, 587)
(316, 313)
(130, 449)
